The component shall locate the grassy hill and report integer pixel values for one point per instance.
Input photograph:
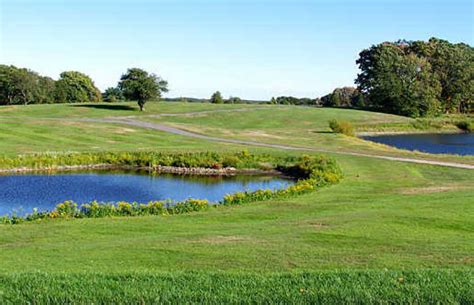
(389, 232)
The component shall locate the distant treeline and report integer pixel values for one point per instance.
(230, 100)
(412, 78)
(348, 97)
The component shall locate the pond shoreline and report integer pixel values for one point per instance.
(198, 171)
(460, 143)
(415, 132)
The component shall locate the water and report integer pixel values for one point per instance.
(458, 143)
(21, 193)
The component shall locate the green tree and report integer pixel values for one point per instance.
(234, 100)
(216, 98)
(141, 86)
(342, 97)
(18, 85)
(46, 90)
(453, 65)
(396, 82)
(76, 87)
(112, 95)
(7, 86)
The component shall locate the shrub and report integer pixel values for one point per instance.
(342, 127)
(465, 125)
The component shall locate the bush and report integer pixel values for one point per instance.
(342, 127)
(465, 125)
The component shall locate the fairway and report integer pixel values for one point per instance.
(384, 216)
(236, 152)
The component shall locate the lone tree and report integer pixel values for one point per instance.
(141, 86)
(216, 98)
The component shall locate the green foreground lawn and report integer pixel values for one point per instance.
(389, 232)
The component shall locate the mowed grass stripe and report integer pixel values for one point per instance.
(336, 287)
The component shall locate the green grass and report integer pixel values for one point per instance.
(369, 220)
(35, 136)
(308, 127)
(407, 287)
(98, 110)
(346, 243)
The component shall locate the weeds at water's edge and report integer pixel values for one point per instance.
(311, 172)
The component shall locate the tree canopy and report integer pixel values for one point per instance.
(76, 87)
(23, 86)
(112, 95)
(141, 86)
(348, 97)
(417, 78)
(216, 98)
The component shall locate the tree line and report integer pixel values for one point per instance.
(417, 78)
(21, 86)
(412, 78)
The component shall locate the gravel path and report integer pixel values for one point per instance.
(132, 122)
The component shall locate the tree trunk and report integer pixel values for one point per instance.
(141, 104)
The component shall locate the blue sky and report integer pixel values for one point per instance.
(252, 49)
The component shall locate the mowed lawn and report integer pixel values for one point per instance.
(385, 217)
(53, 128)
(307, 127)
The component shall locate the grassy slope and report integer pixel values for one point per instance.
(383, 215)
(303, 126)
(370, 220)
(106, 109)
(40, 128)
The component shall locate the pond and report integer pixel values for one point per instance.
(457, 143)
(20, 193)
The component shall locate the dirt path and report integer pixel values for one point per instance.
(132, 122)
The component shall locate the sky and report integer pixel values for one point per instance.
(254, 49)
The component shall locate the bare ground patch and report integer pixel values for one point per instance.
(124, 130)
(8, 108)
(433, 189)
(261, 134)
(223, 239)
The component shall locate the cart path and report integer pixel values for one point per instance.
(165, 128)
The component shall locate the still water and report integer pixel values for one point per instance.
(23, 192)
(458, 143)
